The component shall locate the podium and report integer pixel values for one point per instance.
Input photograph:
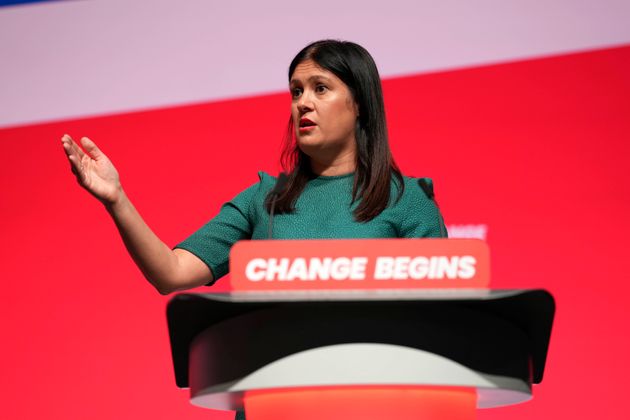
(433, 353)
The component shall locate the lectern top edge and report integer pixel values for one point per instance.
(531, 311)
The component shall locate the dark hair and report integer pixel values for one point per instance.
(374, 162)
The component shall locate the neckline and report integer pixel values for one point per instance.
(332, 177)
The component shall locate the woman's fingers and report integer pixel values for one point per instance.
(91, 148)
(66, 139)
(76, 166)
(66, 142)
(70, 153)
(75, 156)
(77, 149)
(67, 148)
(79, 152)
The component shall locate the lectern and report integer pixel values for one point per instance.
(358, 348)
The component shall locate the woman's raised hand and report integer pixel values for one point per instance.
(167, 270)
(94, 171)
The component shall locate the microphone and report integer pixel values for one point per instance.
(275, 192)
(428, 191)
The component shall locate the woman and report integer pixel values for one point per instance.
(342, 182)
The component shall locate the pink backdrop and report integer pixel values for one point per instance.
(537, 150)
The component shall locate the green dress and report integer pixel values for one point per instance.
(323, 211)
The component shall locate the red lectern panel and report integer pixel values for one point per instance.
(363, 403)
(351, 264)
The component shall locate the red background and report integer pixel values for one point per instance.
(537, 150)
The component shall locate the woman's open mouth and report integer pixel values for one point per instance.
(306, 125)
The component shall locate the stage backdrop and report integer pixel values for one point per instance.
(530, 154)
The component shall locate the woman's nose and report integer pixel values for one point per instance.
(304, 102)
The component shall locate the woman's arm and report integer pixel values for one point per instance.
(167, 270)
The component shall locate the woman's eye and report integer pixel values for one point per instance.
(321, 88)
(296, 92)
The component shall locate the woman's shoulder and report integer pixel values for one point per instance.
(265, 179)
(420, 215)
(265, 182)
(256, 191)
(417, 188)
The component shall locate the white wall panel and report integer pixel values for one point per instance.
(79, 58)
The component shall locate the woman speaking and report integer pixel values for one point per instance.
(341, 181)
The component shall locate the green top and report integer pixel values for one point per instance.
(323, 211)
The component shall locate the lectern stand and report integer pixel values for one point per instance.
(386, 352)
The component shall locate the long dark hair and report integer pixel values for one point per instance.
(374, 162)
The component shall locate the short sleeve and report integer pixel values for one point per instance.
(421, 216)
(213, 241)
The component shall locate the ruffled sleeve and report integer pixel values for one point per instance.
(422, 217)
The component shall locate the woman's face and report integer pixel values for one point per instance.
(324, 112)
